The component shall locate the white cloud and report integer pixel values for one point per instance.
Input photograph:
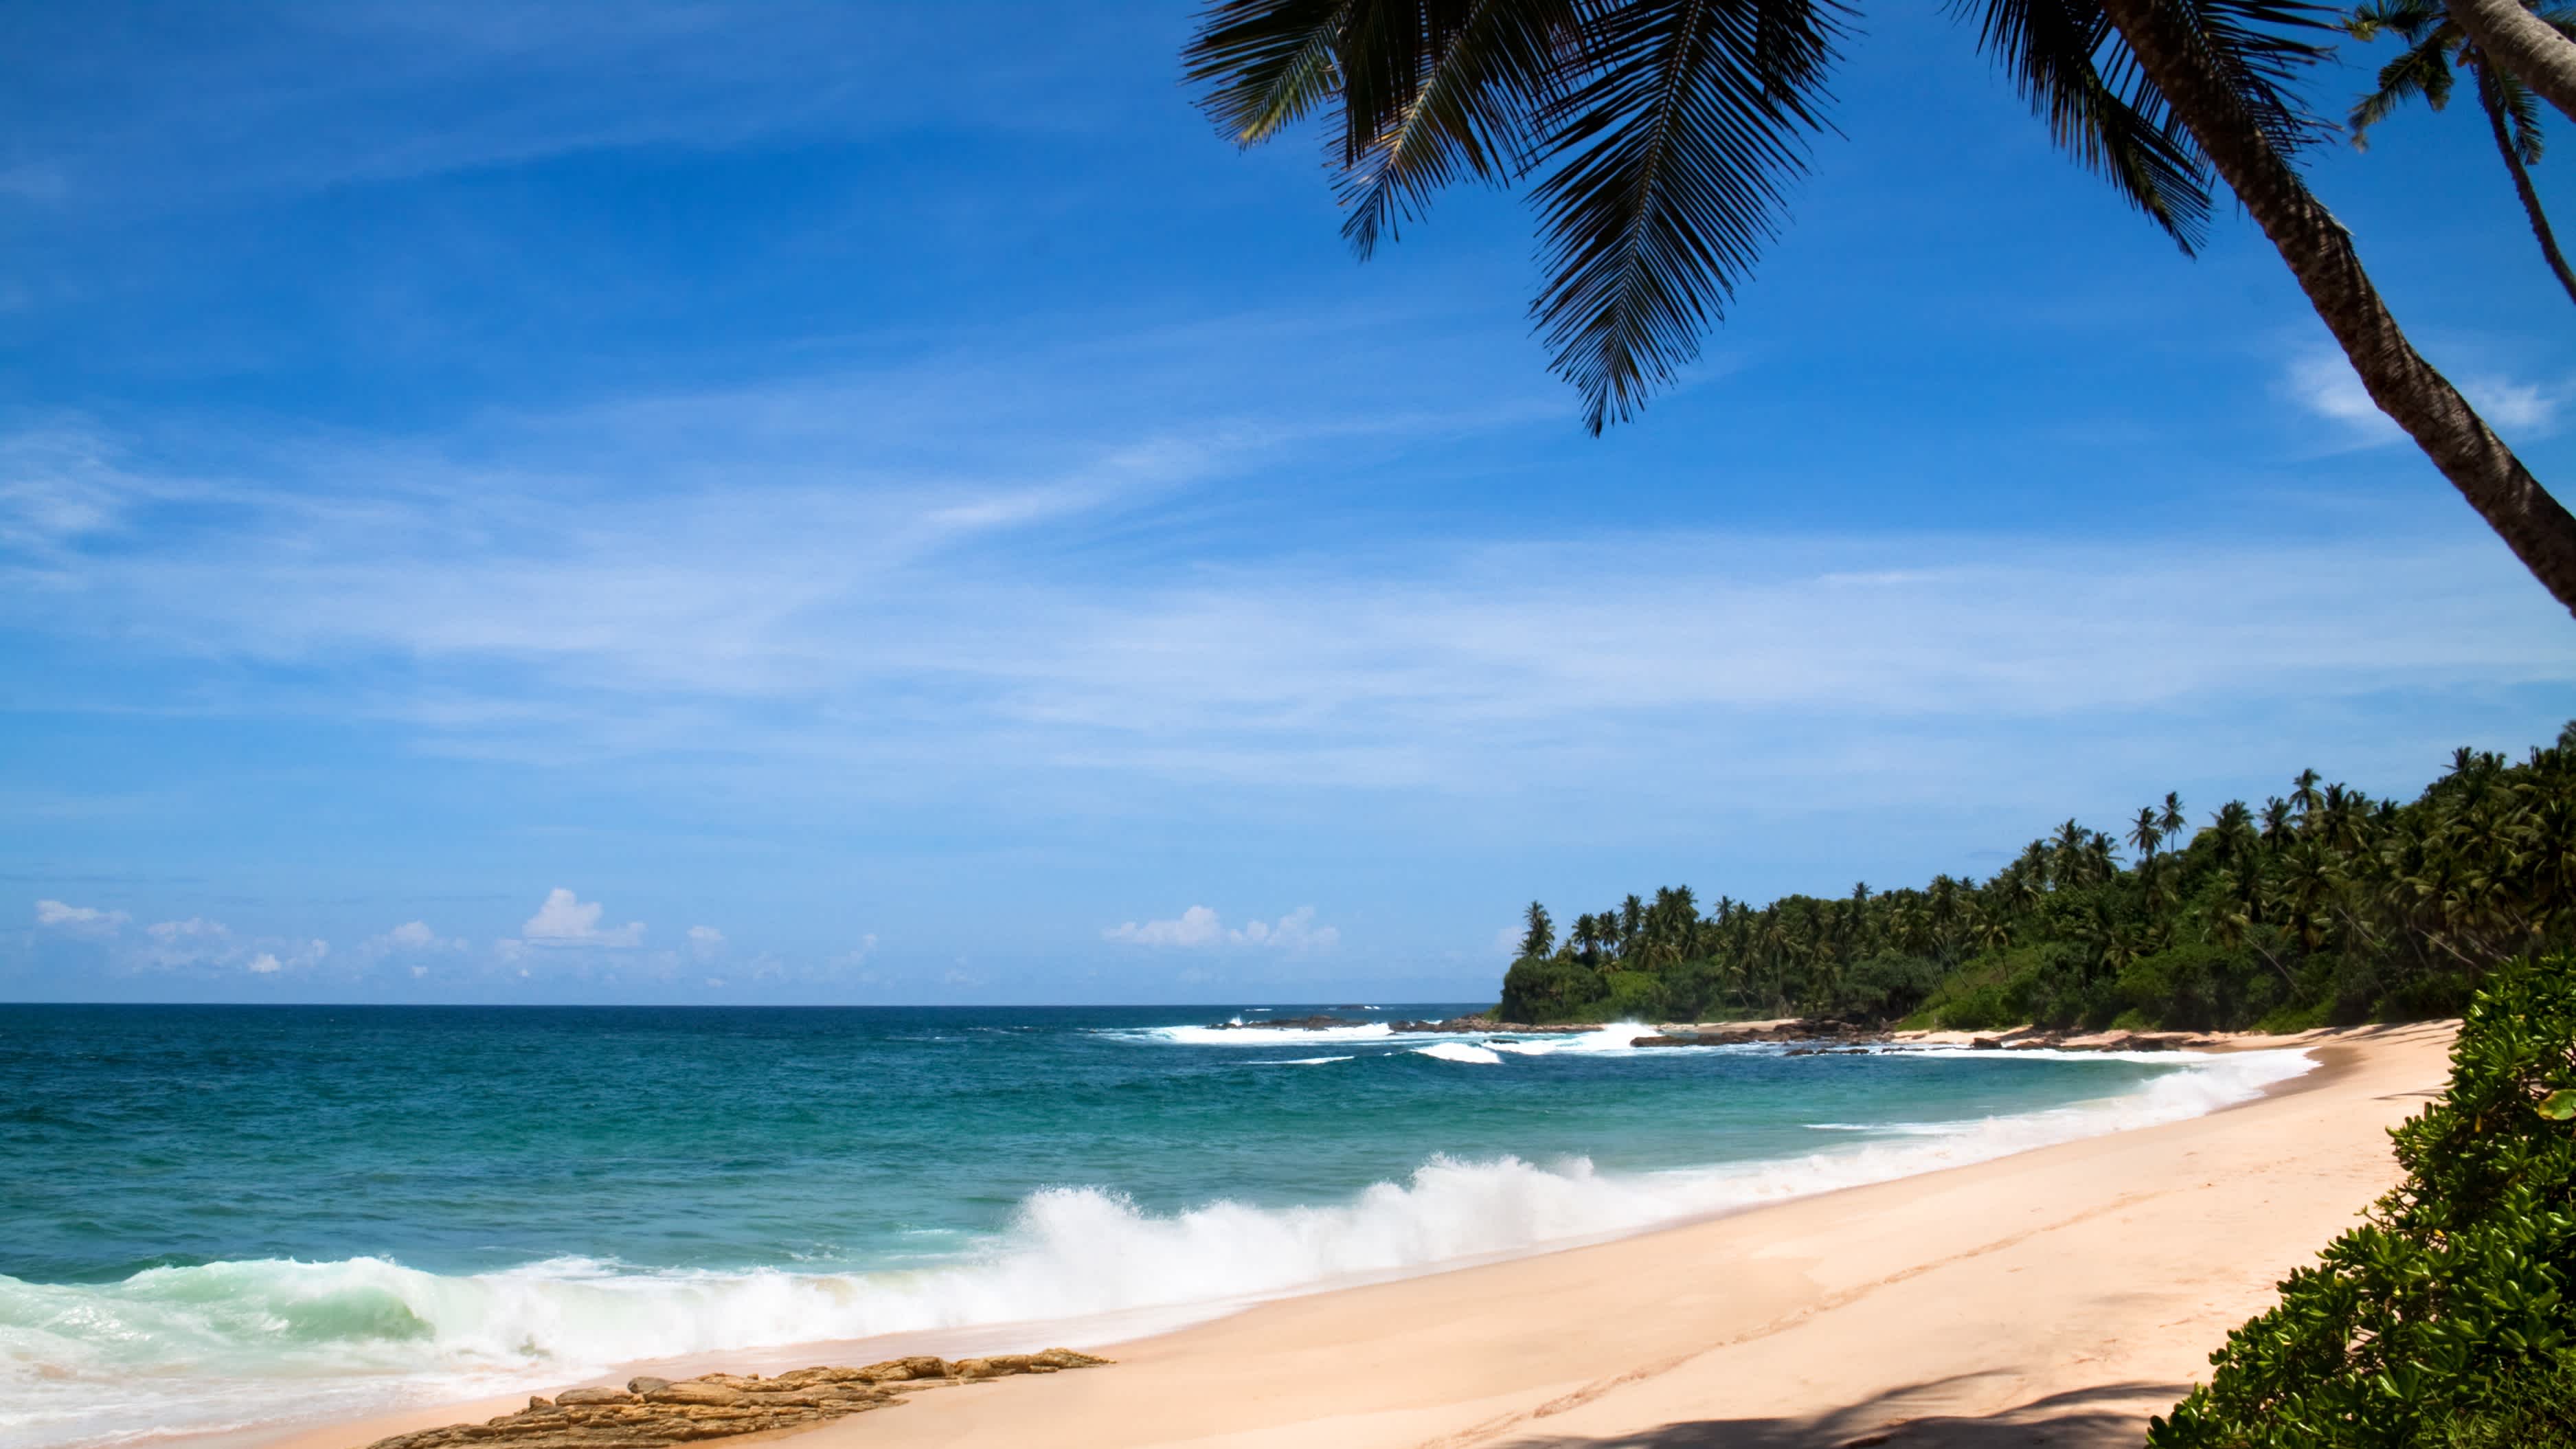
(409, 938)
(1197, 926)
(265, 964)
(2322, 381)
(1200, 927)
(79, 919)
(195, 928)
(706, 942)
(566, 920)
(2520, 407)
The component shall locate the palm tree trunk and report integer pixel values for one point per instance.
(2524, 44)
(2320, 254)
(2490, 98)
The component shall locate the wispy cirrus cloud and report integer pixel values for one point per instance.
(1058, 615)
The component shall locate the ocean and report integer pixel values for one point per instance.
(207, 1213)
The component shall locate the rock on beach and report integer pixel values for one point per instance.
(650, 1412)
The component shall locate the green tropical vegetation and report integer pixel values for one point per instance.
(2323, 905)
(1659, 137)
(2444, 1321)
(2435, 49)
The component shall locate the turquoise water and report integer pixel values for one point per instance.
(198, 1204)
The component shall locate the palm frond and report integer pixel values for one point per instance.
(2411, 19)
(1490, 69)
(1264, 63)
(1690, 116)
(2115, 125)
(2254, 46)
(2423, 70)
(2521, 109)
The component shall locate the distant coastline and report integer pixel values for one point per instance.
(2323, 906)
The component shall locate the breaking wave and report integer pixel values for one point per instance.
(206, 1346)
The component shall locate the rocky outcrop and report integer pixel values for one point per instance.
(1824, 1038)
(1485, 1026)
(650, 1412)
(1787, 1031)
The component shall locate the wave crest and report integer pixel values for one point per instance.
(200, 1346)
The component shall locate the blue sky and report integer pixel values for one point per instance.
(804, 502)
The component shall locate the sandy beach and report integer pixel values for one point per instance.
(2059, 1296)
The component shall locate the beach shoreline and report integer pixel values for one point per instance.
(2123, 1235)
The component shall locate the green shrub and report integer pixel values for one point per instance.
(2444, 1319)
(1885, 986)
(1695, 990)
(1541, 988)
(2535, 1409)
(1634, 996)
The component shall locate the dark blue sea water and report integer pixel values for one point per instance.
(197, 1203)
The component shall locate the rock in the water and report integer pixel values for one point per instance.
(652, 1412)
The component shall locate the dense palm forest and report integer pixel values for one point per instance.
(2321, 905)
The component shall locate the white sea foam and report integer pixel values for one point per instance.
(1459, 1051)
(205, 1347)
(1299, 1061)
(1611, 1040)
(1257, 1036)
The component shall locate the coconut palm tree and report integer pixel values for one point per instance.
(2170, 819)
(2066, 853)
(2306, 798)
(1662, 133)
(2234, 825)
(2147, 832)
(1538, 934)
(2435, 46)
(2536, 54)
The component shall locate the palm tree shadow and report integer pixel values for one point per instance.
(2099, 1417)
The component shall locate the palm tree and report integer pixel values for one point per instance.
(2305, 797)
(2066, 853)
(2536, 54)
(2171, 820)
(2434, 45)
(2147, 832)
(1662, 133)
(2234, 825)
(2276, 821)
(1538, 936)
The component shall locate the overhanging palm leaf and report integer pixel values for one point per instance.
(2116, 126)
(1266, 63)
(2523, 110)
(1668, 128)
(1474, 109)
(2435, 47)
(1674, 146)
(2421, 72)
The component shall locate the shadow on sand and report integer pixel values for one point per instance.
(2108, 1416)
